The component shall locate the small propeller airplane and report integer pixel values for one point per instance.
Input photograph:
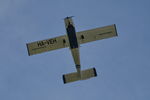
(72, 40)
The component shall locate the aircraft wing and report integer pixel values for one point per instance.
(96, 34)
(47, 45)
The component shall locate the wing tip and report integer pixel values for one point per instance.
(116, 30)
(64, 80)
(95, 73)
(28, 49)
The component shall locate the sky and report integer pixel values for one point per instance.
(122, 63)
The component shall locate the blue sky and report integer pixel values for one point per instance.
(122, 63)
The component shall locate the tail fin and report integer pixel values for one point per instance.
(85, 74)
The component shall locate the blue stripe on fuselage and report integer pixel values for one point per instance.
(72, 36)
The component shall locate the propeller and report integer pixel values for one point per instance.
(68, 17)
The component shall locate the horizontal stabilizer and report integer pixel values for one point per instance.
(89, 73)
(85, 74)
(71, 77)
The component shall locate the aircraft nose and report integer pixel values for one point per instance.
(68, 17)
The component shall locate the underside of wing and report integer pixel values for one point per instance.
(47, 45)
(96, 34)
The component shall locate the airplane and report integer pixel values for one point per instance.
(73, 40)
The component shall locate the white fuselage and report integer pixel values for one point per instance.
(73, 42)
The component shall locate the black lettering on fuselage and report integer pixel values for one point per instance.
(46, 42)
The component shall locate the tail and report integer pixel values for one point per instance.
(85, 74)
